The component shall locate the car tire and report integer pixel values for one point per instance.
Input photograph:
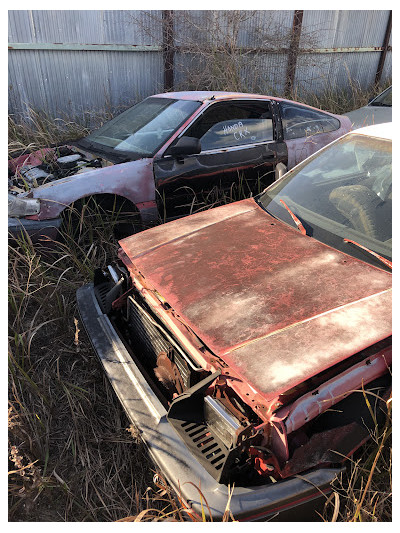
(106, 217)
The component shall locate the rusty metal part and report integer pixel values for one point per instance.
(318, 401)
(293, 51)
(225, 400)
(264, 462)
(168, 49)
(229, 293)
(168, 373)
(385, 49)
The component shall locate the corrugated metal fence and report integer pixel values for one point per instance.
(74, 61)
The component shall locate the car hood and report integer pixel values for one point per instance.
(369, 115)
(277, 305)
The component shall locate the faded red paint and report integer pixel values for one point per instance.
(34, 159)
(317, 402)
(132, 180)
(204, 96)
(275, 305)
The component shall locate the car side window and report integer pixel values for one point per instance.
(298, 121)
(226, 125)
(237, 132)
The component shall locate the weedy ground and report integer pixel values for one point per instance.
(72, 454)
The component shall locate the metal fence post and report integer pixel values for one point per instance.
(293, 52)
(168, 49)
(385, 47)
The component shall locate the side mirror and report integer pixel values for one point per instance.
(185, 146)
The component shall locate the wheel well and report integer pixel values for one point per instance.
(123, 216)
(107, 201)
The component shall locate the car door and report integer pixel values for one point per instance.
(238, 146)
(306, 130)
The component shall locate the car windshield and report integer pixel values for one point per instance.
(344, 192)
(144, 128)
(384, 99)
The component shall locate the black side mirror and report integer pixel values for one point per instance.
(185, 146)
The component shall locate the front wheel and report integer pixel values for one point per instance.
(105, 218)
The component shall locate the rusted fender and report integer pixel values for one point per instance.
(132, 180)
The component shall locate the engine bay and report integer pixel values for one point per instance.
(44, 166)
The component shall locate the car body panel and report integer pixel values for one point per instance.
(369, 115)
(220, 168)
(132, 180)
(185, 474)
(34, 158)
(372, 113)
(237, 311)
(225, 279)
(300, 149)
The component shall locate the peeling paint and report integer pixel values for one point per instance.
(276, 305)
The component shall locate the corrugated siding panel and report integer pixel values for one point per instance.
(387, 69)
(72, 82)
(20, 28)
(337, 29)
(132, 27)
(259, 72)
(81, 81)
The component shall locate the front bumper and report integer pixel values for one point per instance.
(35, 229)
(291, 499)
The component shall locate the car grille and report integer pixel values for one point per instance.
(205, 443)
(145, 334)
(149, 339)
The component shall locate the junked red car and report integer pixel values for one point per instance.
(164, 149)
(243, 340)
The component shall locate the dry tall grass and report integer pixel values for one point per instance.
(73, 455)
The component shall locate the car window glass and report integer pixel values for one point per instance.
(233, 124)
(345, 188)
(384, 99)
(237, 132)
(142, 129)
(299, 122)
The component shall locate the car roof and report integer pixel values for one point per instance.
(202, 96)
(376, 130)
(207, 95)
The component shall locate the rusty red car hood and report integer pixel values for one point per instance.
(277, 305)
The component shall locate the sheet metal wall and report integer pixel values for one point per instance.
(337, 29)
(70, 82)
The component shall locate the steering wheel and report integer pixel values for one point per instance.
(358, 205)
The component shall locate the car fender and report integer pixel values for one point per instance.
(132, 180)
(301, 148)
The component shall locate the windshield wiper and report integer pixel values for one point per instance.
(383, 259)
(295, 219)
